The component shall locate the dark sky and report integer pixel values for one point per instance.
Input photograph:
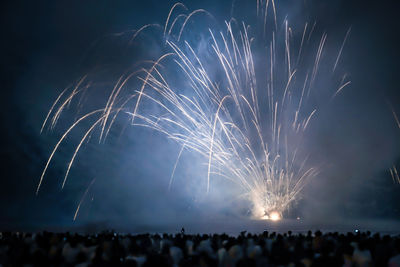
(47, 45)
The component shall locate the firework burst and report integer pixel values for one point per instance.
(239, 97)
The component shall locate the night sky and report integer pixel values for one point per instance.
(48, 45)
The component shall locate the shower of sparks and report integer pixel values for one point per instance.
(246, 113)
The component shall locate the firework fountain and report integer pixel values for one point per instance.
(241, 102)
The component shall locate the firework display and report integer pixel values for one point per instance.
(239, 97)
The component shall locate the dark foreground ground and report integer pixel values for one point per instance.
(266, 249)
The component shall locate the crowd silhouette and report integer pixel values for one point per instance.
(266, 249)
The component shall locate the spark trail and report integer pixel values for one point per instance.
(393, 171)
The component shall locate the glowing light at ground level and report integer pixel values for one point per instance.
(273, 216)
